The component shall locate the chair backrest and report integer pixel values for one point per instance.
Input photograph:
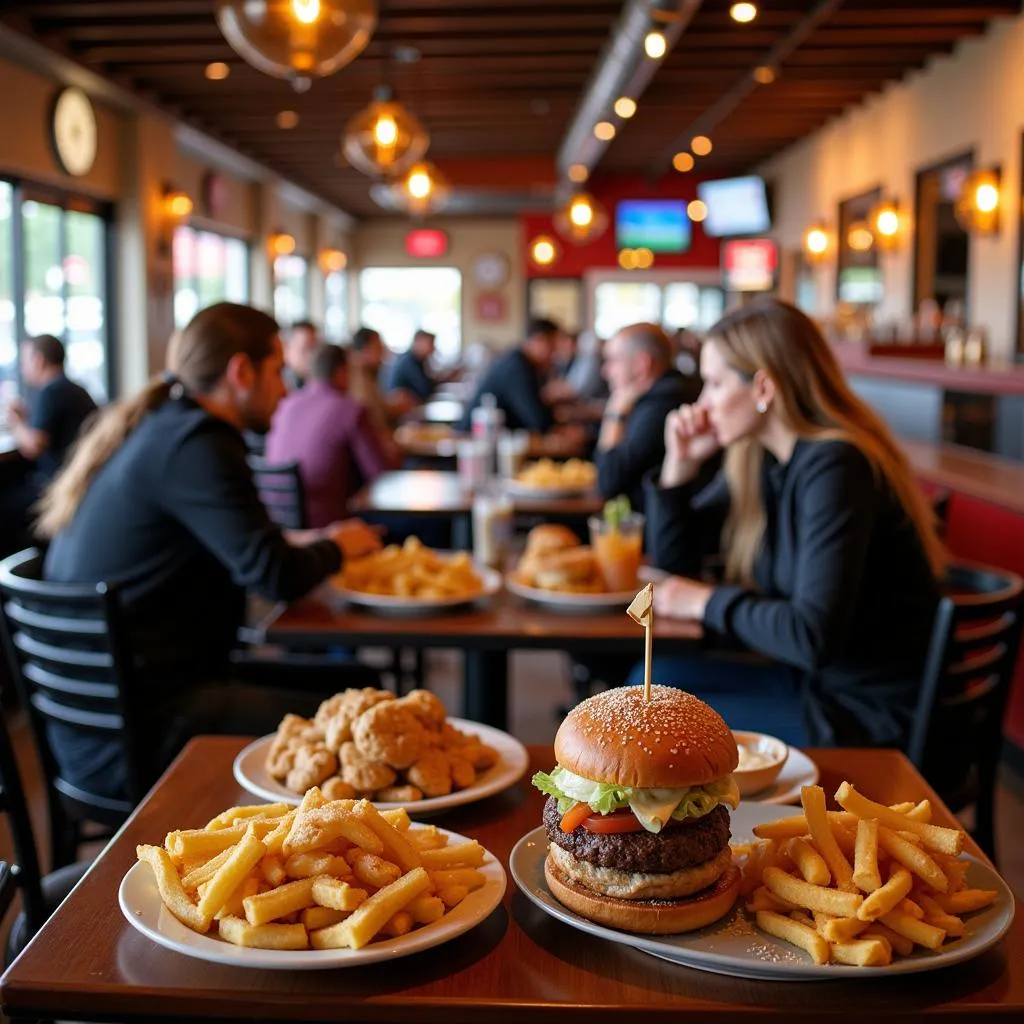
(24, 873)
(66, 651)
(957, 730)
(280, 488)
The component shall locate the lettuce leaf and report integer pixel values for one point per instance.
(652, 807)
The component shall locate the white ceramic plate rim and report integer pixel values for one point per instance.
(511, 767)
(140, 903)
(695, 949)
(562, 599)
(491, 578)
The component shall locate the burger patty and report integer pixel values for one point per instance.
(681, 846)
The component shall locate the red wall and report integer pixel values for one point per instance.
(603, 253)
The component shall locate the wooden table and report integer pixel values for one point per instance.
(518, 965)
(486, 634)
(443, 447)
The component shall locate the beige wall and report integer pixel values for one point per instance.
(381, 243)
(238, 217)
(972, 100)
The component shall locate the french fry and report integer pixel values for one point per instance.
(396, 847)
(796, 825)
(899, 943)
(887, 897)
(306, 865)
(233, 907)
(233, 815)
(944, 840)
(398, 817)
(813, 897)
(329, 892)
(934, 914)
(913, 858)
(194, 878)
(274, 841)
(873, 952)
(795, 933)
(244, 857)
(197, 843)
(316, 828)
(921, 812)
(469, 854)
(919, 932)
(273, 871)
(838, 929)
(428, 838)
(170, 888)
(469, 877)
(426, 909)
(764, 899)
(966, 901)
(809, 862)
(278, 902)
(866, 875)
(908, 906)
(266, 936)
(813, 800)
(358, 929)
(452, 895)
(400, 924)
(369, 869)
(902, 808)
(314, 918)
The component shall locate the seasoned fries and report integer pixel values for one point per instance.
(905, 888)
(344, 875)
(546, 474)
(412, 570)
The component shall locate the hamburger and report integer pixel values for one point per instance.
(637, 813)
(555, 560)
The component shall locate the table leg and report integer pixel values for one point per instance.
(485, 690)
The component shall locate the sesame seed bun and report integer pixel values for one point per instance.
(550, 537)
(673, 740)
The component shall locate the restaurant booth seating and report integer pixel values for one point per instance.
(280, 487)
(956, 738)
(71, 665)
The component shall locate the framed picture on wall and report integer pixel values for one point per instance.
(858, 274)
(558, 298)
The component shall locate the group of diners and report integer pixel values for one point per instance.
(817, 628)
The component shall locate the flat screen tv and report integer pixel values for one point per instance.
(660, 225)
(736, 206)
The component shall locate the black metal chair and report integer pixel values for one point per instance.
(956, 738)
(280, 488)
(68, 659)
(40, 894)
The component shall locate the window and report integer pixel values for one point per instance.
(8, 329)
(396, 301)
(208, 268)
(291, 289)
(336, 306)
(59, 285)
(557, 298)
(678, 304)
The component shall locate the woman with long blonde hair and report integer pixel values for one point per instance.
(832, 562)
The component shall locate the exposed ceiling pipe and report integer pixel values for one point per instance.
(624, 69)
(733, 97)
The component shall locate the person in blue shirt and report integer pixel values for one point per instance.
(409, 371)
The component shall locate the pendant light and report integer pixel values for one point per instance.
(582, 219)
(385, 138)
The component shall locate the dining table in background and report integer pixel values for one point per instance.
(486, 632)
(518, 964)
(442, 447)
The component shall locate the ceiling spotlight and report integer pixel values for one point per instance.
(655, 45)
(743, 12)
(625, 107)
(579, 173)
(604, 130)
(764, 74)
(217, 71)
(701, 145)
(287, 119)
(543, 250)
(696, 211)
(683, 162)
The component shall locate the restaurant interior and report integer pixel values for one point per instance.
(473, 177)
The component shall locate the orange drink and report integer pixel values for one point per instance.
(617, 547)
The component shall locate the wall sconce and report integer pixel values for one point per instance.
(977, 208)
(544, 250)
(281, 244)
(176, 207)
(888, 225)
(332, 261)
(817, 243)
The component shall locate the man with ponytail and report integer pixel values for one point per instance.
(159, 498)
(832, 561)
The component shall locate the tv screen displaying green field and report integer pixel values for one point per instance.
(660, 225)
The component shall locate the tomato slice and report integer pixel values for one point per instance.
(623, 820)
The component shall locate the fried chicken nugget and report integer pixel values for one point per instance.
(363, 774)
(432, 773)
(336, 788)
(479, 755)
(406, 794)
(462, 771)
(391, 734)
(352, 703)
(426, 706)
(313, 763)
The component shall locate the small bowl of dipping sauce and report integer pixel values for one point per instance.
(761, 760)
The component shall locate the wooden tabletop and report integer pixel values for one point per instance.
(427, 441)
(504, 622)
(970, 472)
(519, 964)
(437, 494)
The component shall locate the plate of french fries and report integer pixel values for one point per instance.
(865, 891)
(547, 478)
(331, 883)
(411, 578)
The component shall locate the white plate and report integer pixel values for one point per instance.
(560, 601)
(736, 947)
(391, 605)
(140, 903)
(250, 771)
(521, 489)
(798, 771)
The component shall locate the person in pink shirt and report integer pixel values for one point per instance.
(330, 435)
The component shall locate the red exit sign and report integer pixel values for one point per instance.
(426, 243)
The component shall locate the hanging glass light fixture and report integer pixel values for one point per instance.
(582, 219)
(421, 190)
(385, 139)
(297, 39)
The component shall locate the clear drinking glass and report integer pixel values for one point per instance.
(471, 456)
(512, 448)
(492, 527)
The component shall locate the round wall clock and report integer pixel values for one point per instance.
(73, 133)
(490, 269)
